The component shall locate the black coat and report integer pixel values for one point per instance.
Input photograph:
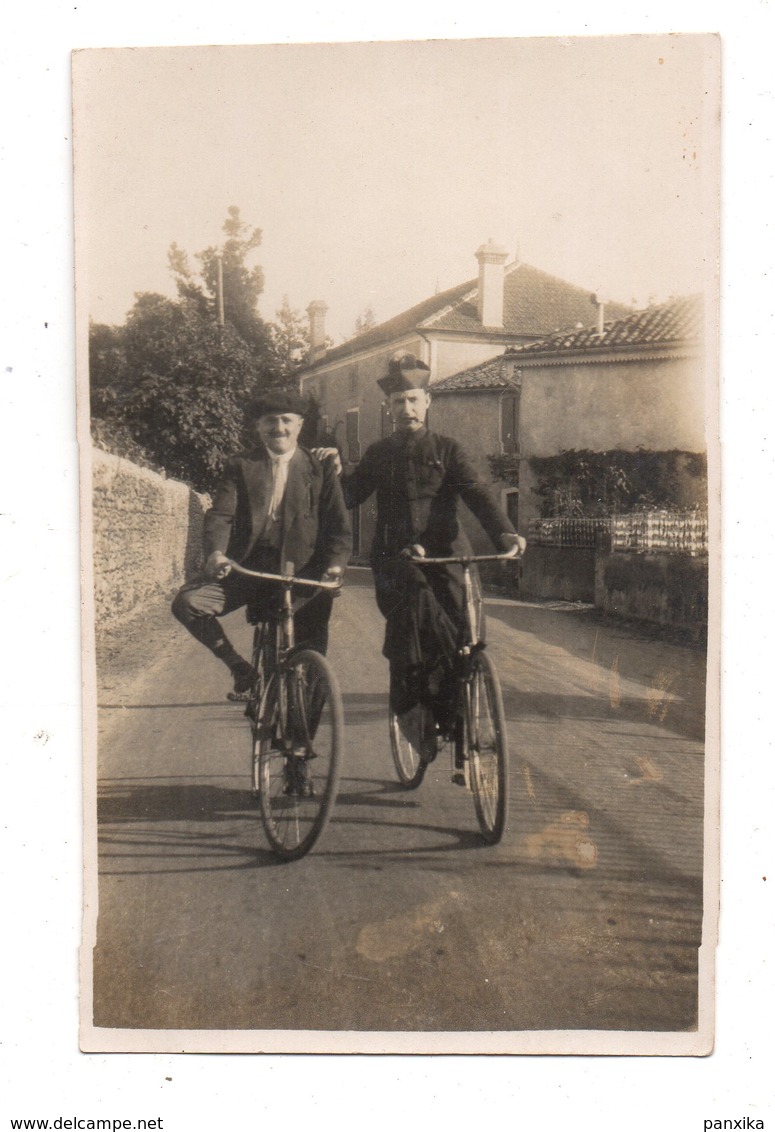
(418, 480)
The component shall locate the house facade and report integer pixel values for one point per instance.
(626, 383)
(506, 306)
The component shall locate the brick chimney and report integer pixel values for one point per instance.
(491, 259)
(316, 312)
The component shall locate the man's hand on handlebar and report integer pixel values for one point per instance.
(333, 574)
(323, 454)
(217, 565)
(513, 544)
(413, 551)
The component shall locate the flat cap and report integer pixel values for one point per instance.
(405, 371)
(279, 401)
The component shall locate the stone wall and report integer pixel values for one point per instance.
(668, 589)
(147, 535)
(560, 573)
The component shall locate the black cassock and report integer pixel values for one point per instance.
(418, 479)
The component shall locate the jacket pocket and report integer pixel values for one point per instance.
(429, 476)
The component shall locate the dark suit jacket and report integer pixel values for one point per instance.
(315, 526)
(418, 481)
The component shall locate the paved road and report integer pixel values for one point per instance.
(586, 916)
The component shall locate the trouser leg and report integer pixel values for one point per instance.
(310, 622)
(422, 608)
(198, 605)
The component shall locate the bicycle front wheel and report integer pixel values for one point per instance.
(487, 750)
(300, 754)
(410, 768)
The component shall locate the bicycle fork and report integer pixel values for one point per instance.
(464, 740)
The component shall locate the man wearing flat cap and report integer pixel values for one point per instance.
(418, 477)
(275, 504)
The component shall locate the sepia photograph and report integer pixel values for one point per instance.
(398, 414)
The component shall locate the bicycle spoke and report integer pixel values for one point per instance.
(487, 751)
(299, 772)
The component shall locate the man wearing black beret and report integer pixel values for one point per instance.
(275, 504)
(418, 477)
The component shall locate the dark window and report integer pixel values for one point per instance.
(512, 508)
(510, 424)
(353, 436)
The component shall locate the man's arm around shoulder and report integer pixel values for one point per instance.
(335, 531)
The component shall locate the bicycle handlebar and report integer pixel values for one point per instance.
(286, 578)
(465, 559)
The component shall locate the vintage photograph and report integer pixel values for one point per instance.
(398, 416)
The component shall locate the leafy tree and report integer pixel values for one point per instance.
(365, 321)
(171, 383)
(242, 286)
(181, 388)
(289, 336)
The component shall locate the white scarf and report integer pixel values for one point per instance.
(279, 480)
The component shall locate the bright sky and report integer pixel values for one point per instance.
(375, 171)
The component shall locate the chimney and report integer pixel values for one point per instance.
(600, 303)
(491, 259)
(316, 312)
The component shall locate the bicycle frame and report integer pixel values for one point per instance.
(470, 645)
(285, 640)
(288, 580)
(294, 690)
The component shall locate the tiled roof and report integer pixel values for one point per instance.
(534, 304)
(400, 324)
(679, 320)
(492, 374)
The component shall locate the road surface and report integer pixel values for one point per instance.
(588, 915)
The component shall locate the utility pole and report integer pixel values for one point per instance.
(219, 287)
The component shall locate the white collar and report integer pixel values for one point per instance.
(282, 457)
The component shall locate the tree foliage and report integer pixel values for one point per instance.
(366, 320)
(586, 483)
(289, 336)
(579, 483)
(171, 383)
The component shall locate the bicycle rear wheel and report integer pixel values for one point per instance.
(410, 768)
(486, 748)
(300, 753)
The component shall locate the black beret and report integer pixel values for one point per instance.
(405, 371)
(276, 402)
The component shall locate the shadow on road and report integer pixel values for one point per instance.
(560, 706)
(155, 706)
(176, 802)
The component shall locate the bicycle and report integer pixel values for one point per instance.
(478, 741)
(297, 725)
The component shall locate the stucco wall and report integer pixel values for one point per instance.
(454, 355)
(147, 535)
(657, 403)
(653, 403)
